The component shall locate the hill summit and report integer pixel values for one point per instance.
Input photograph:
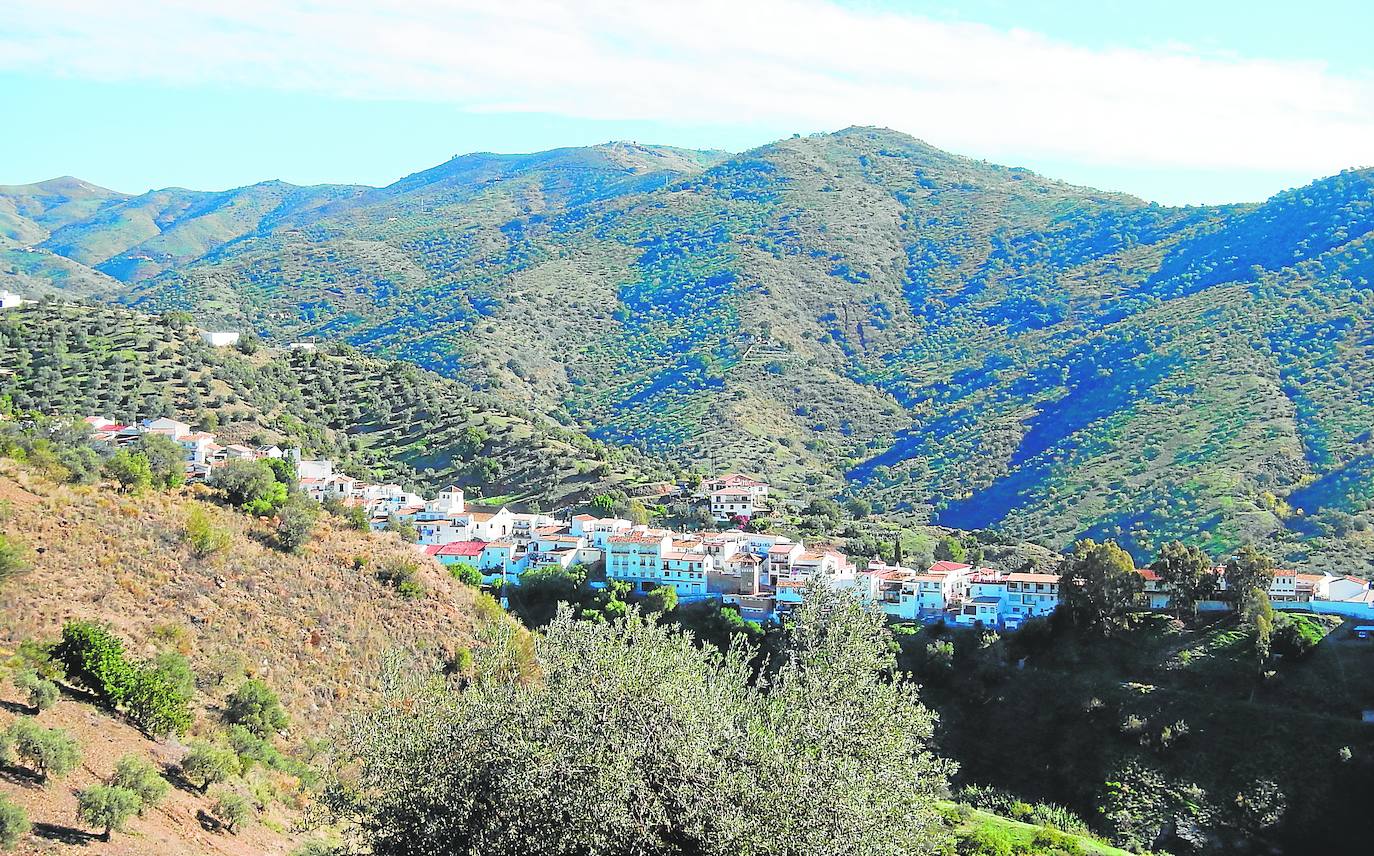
(853, 313)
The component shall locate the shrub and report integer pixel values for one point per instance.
(12, 561)
(131, 470)
(206, 765)
(93, 657)
(205, 538)
(1047, 840)
(159, 697)
(465, 573)
(106, 806)
(42, 693)
(139, 775)
(662, 599)
(14, 823)
(250, 485)
(987, 841)
(254, 706)
(295, 523)
(1296, 636)
(232, 809)
(49, 752)
(400, 574)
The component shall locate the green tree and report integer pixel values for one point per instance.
(249, 485)
(42, 693)
(93, 657)
(745, 771)
(465, 573)
(137, 774)
(1187, 572)
(1246, 572)
(107, 807)
(207, 764)
(950, 549)
(159, 697)
(604, 504)
(131, 470)
(14, 824)
(296, 523)
(232, 809)
(49, 752)
(1259, 614)
(254, 706)
(663, 599)
(858, 508)
(166, 459)
(1099, 586)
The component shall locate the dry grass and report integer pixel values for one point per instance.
(314, 626)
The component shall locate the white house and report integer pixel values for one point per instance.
(1031, 594)
(10, 300)
(320, 469)
(731, 502)
(167, 427)
(219, 339)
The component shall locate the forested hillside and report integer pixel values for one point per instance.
(857, 312)
(380, 419)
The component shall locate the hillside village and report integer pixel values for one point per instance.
(761, 574)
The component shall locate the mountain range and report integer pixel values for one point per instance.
(855, 313)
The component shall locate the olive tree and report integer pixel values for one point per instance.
(634, 740)
(107, 807)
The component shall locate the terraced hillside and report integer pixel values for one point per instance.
(382, 420)
(859, 312)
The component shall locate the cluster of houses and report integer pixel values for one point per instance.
(762, 575)
(201, 451)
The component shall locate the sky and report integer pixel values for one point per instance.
(1194, 102)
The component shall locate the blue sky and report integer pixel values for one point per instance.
(1179, 102)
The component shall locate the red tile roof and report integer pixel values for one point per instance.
(462, 548)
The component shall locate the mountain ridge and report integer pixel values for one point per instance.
(862, 313)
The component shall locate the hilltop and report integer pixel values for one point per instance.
(861, 313)
(380, 419)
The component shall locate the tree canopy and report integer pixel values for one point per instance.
(634, 740)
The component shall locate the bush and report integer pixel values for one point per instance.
(662, 599)
(1296, 636)
(93, 657)
(12, 561)
(465, 573)
(42, 693)
(106, 806)
(205, 538)
(137, 774)
(250, 485)
(49, 752)
(1047, 840)
(400, 574)
(132, 471)
(159, 698)
(14, 823)
(987, 841)
(295, 523)
(254, 706)
(206, 765)
(232, 809)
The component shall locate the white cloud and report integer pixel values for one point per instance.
(798, 63)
